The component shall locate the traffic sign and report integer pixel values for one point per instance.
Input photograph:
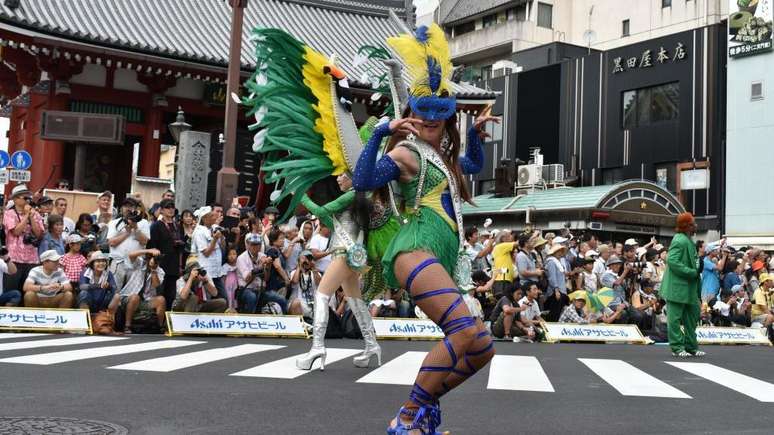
(21, 160)
(3, 176)
(5, 158)
(19, 176)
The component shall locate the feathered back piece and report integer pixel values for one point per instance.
(293, 98)
(428, 60)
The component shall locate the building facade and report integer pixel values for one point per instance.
(142, 60)
(652, 111)
(749, 158)
(484, 33)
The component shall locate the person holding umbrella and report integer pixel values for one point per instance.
(681, 288)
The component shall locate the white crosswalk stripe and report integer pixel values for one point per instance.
(631, 381)
(69, 341)
(6, 335)
(399, 371)
(286, 368)
(749, 386)
(176, 362)
(516, 372)
(96, 352)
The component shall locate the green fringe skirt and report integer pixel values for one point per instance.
(425, 231)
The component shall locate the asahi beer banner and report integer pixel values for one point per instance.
(593, 332)
(716, 335)
(45, 319)
(749, 27)
(407, 328)
(235, 324)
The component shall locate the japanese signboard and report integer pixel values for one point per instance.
(235, 324)
(750, 27)
(715, 335)
(19, 176)
(650, 58)
(593, 332)
(44, 319)
(419, 329)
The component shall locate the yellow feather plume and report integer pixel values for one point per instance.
(320, 84)
(415, 53)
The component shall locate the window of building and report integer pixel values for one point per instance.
(464, 28)
(545, 16)
(646, 106)
(489, 20)
(486, 72)
(519, 13)
(625, 28)
(666, 3)
(756, 91)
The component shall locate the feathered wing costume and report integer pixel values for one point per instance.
(302, 107)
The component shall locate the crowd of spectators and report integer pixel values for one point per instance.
(136, 262)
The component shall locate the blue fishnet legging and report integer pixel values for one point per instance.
(467, 346)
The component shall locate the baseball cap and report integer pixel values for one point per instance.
(758, 265)
(613, 260)
(130, 201)
(271, 210)
(51, 255)
(74, 238)
(44, 200)
(307, 253)
(630, 242)
(737, 288)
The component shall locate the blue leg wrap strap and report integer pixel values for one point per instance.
(417, 270)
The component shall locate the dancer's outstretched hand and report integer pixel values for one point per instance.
(483, 118)
(404, 126)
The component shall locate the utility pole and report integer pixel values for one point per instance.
(228, 177)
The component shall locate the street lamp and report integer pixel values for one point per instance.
(179, 126)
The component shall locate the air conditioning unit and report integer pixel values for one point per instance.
(528, 175)
(82, 127)
(553, 173)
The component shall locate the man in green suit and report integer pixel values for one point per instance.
(681, 287)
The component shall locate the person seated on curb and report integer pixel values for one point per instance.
(761, 309)
(46, 285)
(530, 315)
(304, 281)
(140, 293)
(575, 313)
(505, 315)
(98, 290)
(196, 293)
(8, 298)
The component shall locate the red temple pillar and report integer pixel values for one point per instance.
(150, 149)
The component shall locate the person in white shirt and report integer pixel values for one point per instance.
(600, 263)
(208, 243)
(530, 317)
(319, 247)
(8, 298)
(125, 235)
(60, 208)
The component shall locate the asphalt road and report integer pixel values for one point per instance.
(537, 388)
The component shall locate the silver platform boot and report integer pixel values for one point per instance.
(319, 325)
(366, 324)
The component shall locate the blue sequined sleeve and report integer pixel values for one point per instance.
(473, 160)
(371, 174)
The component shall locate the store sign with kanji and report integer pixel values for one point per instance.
(650, 58)
(750, 25)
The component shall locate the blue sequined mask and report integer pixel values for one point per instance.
(433, 108)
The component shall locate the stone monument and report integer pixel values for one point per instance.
(193, 166)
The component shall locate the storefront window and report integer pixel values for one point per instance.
(489, 21)
(646, 106)
(464, 28)
(545, 16)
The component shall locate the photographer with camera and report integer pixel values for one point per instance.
(196, 292)
(304, 280)
(615, 278)
(23, 230)
(139, 297)
(714, 263)
(293, 245)
(207, 244)
(277, 280)
(251, 267)
(127, 234)
(166, 237)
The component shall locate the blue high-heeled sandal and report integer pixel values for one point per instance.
(426, 419)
